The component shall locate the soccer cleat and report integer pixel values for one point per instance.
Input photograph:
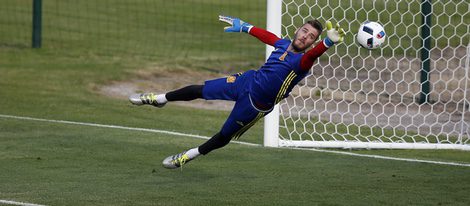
(176, 161)
(145, 98)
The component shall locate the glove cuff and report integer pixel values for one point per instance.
(328, 43)
(246, 27)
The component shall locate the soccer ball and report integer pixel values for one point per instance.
(371, 35)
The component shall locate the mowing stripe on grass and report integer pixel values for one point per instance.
(238, 142)
(9, 202)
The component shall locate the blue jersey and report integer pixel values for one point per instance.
(276, 78)
(256, 91)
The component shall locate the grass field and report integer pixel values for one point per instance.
(52, 163)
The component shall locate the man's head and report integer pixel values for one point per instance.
(306, 35)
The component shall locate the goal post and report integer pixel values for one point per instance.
(358, 98)
(271, 121)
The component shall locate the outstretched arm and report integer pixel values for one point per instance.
(334, 35)
(264, 36)
(309, 58)
(237, 25)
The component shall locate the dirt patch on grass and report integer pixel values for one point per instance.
(162, 80)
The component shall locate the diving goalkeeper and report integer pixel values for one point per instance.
(255, 92)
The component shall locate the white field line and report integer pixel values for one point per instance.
(9, 202)
(117, 127)
(386, 157)
(237, 142)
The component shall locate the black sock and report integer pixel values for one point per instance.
(185, 94)
(216, 142)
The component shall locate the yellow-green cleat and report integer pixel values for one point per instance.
(175, 161)
(145, 98)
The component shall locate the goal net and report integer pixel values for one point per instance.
(413, 92)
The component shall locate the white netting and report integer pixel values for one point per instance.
(355, 96)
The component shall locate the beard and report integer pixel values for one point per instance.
(296, 47)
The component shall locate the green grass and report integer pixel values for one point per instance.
(74, 165)
(58, 164)
(159, 28)
(54, 164)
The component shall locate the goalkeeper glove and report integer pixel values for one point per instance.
(236, 25)
(333, 35)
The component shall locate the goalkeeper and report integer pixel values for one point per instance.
(255, 92)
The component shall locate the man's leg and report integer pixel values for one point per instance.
(222, 89)
(242, 117)
(175, 161)
(184, 94)
(216, 142)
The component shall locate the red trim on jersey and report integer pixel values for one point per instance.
(309, 58)
(264, 36)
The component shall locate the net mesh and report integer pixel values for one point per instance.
(357, 95)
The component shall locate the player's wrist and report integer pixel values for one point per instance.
(328, 42)
(246, 27)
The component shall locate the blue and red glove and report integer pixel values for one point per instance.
(236, 25)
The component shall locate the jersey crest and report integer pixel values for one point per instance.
(231, 79)
(283, 56)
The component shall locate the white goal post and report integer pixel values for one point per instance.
(413, 93)
(271, 121)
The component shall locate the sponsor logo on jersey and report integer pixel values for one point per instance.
(240, 123)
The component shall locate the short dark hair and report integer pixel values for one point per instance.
(317, 25)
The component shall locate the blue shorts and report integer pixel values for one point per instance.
(234, 88)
